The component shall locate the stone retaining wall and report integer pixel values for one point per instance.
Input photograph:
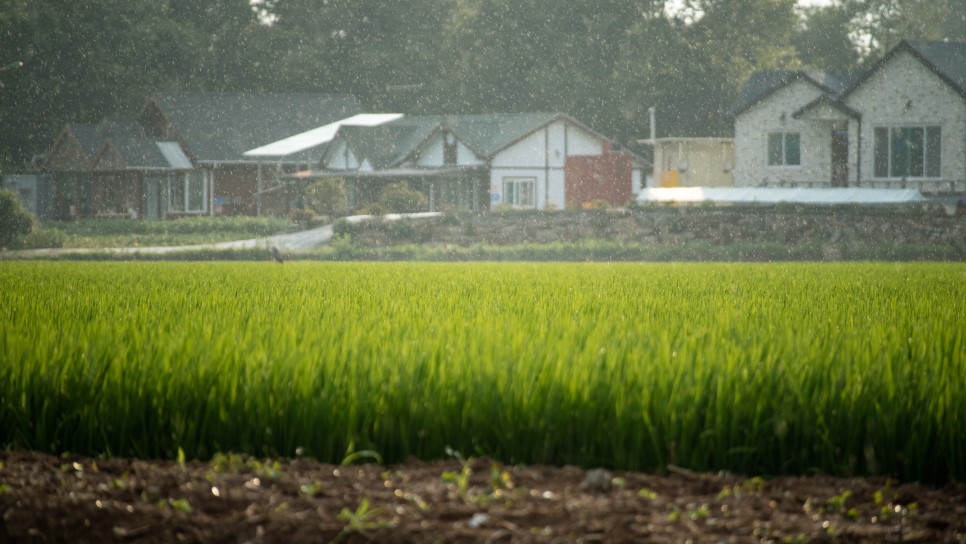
(669, 225)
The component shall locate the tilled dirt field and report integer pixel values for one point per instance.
(237, 499)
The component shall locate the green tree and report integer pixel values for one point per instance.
(823, 39)
(233, 49)
(327, 196)
(82, 60)
(690, 67)
(15, 221)
(384, 53)
(398, 197)
(878, 25)
(537, 55)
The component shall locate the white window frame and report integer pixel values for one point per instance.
(186, 181)
(512, 192)
(784, 160)
(890, 131)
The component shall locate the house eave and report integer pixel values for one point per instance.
(847, 112)
(387, 173)
(907, 47)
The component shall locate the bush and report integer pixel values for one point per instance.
(327, 196)
(597, 204)
(42, 238)
(450, 219)
(502, 208)
(400, 198)
(15, 222)
(240, 227)
(344, 228)
(304, 218)
(399, 231)
(373, 208)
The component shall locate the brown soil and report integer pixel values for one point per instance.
(236, 499)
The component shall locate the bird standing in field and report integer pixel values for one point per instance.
(276, 256)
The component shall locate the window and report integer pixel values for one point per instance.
(519, 192)
(187, 193)
(907, 152)
(784, 149)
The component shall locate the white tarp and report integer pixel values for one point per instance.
(319, 135)
(768, 195)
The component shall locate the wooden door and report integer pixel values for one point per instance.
(840, 158)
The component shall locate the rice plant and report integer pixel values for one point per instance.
(850, 368)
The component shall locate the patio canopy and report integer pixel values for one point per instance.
(319, 135)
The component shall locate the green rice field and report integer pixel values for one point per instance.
(846, 368)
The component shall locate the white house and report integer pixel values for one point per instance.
(901, 123)
(475, 162)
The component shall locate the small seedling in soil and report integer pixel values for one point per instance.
(361, 520)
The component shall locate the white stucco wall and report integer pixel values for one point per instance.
(774, 114)
(431, 155)
(542, 156)
(904, 92)
(466, 157)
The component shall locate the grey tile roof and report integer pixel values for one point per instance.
(489, 133)
(219, 127)
(140, 152)
(388, 145)
(760, 85)
(947, 59)
(87, 135)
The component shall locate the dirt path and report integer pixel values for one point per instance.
(237, 499)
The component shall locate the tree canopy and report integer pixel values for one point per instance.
(602, 61)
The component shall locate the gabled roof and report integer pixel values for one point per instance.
(390, 144)
(87, 135)
(761, 85)
(220, 127)
(946, 59)
(73, 148)
(488, 134)
(126, 147)
(828, 101)
(485, 134)
(318, 137)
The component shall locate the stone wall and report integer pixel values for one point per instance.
(669, 225)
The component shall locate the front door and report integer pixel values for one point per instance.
(840, 158)
(152, 197)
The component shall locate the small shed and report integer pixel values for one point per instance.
(693, 162)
